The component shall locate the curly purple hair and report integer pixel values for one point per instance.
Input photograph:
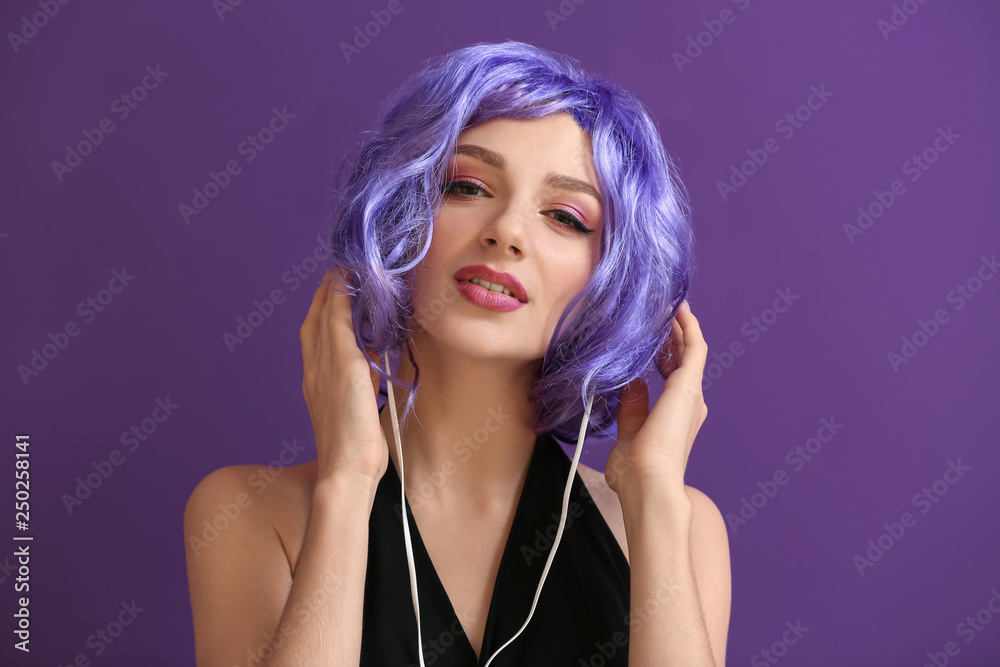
(383, 215)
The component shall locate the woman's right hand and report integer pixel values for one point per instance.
(340, 387)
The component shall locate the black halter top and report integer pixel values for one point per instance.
(582, 614)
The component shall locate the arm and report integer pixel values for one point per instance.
(680, 578)
(321, 622)
(679, 548)
(240, 597)
(248, 609)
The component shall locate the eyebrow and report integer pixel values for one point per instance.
(552, 179)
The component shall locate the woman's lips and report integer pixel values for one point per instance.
(479, 295)
(488, 273)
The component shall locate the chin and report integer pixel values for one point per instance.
(500, 338)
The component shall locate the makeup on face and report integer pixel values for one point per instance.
(578, 204)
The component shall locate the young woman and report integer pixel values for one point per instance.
(512, 253)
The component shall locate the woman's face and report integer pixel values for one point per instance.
(521, 197)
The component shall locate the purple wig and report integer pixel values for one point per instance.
(383, 213)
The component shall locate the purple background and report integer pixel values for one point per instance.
(826, 356)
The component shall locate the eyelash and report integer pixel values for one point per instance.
(573, 220)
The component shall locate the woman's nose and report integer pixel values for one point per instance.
(507, 230)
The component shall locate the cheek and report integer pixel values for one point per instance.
(426, 309)
(451, 232)
(430, 283)
(574, 270)
(567, 280)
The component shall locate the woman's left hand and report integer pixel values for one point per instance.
(654, 446)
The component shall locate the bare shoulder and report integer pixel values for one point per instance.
(237, 527)
(711, 563)
(274, 500)
(709, 550)
(709, 533)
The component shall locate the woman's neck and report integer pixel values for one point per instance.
(470, 437)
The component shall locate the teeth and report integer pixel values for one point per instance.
(491, 286)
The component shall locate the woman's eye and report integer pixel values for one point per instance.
(473, 189)
(571, 220)
(461, 185)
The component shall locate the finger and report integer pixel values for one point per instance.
(633, 409)
(669, 357)
(334, 318)
(678, 328)
(683, 390)
(310, 326)
(695, 350)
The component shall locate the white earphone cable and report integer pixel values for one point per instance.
(406, 527)
(559, 532)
